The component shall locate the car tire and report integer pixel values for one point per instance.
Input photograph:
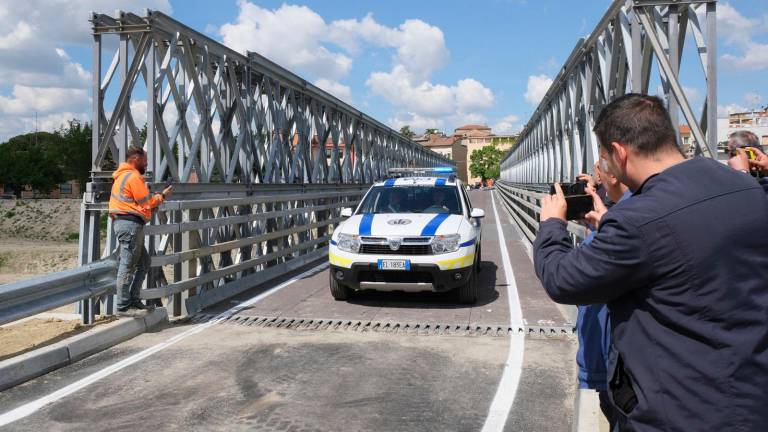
(468, 291)
(339, 291)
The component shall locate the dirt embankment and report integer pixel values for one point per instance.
(37, 237)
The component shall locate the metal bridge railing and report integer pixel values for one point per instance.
(217, 246)
(25, 298)
(523, 202)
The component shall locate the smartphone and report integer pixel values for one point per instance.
(578, 201)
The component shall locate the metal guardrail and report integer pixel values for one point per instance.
(523, 202)
(25, 298)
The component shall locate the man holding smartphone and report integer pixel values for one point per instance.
(687, 293)
(130, 207)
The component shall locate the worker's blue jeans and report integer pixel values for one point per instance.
(134, 261)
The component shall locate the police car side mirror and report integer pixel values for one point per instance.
(346, 212)
(477, 213)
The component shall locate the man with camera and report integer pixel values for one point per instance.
(747, 156)
(683, 267)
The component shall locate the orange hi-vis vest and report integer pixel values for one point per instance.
(130, 195)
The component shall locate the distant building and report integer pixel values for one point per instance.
(473, 137)
(687, 141)
(69, 189)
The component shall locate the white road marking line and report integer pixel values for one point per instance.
(31, 407)
(513, 367)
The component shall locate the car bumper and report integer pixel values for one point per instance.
(421, 277)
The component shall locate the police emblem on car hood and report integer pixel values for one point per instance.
(399, 221)
(394, 244)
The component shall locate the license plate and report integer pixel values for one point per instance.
(394, 264)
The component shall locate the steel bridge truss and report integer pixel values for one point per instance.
(215, 115)
(618, 57)
(261, 160)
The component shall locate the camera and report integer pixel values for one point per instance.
(751, 155)
(579, 202)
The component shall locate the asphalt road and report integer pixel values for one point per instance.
(244, 373)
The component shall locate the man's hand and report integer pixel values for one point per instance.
(740, 161)
(598, 209)
(554, 206)
(167, 191)
(588, 178)
(760, 162)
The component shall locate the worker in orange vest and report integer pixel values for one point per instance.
(130, 207)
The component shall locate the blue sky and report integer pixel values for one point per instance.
(424, 63)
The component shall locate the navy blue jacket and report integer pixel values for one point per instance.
(594, 333)
(683, 266)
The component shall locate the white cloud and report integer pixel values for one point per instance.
(724, 110)
(427, 99)
(291, 36)
(537, 88)
(41, 75)
(754, 57)
(739, 32)
(14, 125)
(508, 125)
(335, 88)
(325, 51)
(27, 100)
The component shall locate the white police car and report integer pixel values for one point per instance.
(417, 232)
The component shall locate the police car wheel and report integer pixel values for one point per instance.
(338, 291)
(468, 291)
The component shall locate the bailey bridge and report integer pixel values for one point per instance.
(262, 162)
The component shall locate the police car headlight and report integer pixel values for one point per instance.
(349, 243)
(445, 243)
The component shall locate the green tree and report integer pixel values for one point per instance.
(31, 159)
(74, 151)
(484, 162)
(431, 131)
(407, 132)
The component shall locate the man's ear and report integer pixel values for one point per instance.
(620, 153)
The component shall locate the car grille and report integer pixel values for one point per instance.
(405, 249)
(395, 276)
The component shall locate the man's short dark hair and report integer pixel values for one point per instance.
(639, 121)
(133, 151)
(743, 138)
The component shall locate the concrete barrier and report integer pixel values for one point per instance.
(24, 367)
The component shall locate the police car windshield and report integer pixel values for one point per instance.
(412, 199)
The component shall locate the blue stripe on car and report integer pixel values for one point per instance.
(333, 242)
(468, 243)
(433, 224)
(440, 182)
(365, 224)
(389, 183)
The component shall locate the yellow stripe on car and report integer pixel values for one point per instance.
(339, 261)
(460, 262)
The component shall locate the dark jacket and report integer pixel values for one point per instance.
(594, 333)
(683, 266)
